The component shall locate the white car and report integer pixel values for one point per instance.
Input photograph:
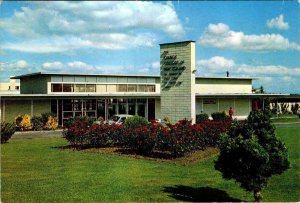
(118, 119)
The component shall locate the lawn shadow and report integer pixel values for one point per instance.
(154, 154)
(202, 194)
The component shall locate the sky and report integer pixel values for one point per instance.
(259, 39)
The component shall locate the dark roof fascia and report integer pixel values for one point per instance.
(117, 75)
(80, 74)
(188, 41)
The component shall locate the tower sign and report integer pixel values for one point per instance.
(177, 68)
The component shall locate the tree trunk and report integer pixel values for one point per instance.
(257, 196)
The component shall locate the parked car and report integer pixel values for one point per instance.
(118, 119)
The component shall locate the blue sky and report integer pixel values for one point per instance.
(246, 38)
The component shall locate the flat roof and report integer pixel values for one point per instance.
(235, 78)
(140, 94)
(242, 95)
(119, 75)
(177, 42)
(79, 74)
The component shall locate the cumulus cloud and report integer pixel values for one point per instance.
(61, 26)
(221, 36)
(278, 23)
(273, 77)
(150, 68)
(14, 66)
(218, 64)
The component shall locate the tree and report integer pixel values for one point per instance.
(250, 153)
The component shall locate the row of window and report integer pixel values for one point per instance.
(65, 87)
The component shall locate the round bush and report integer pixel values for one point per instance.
(37, 123)
(135, 122)
(7, 130)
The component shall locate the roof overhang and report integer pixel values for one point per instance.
(73, 96)
(242, 95)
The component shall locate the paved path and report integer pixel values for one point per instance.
(37, 134)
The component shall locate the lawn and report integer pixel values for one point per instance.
(38, 170)
(285, 118)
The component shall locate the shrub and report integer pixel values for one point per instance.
(51, 124)
(251, 153)
(37, 123)
(135, 122)
(71, 121)
(46, 115)
(219, 116)
(23, 122)
(83, 133)
(50, 121)
(201, 118)
(213, 130)
(141, 139)
(7, 130)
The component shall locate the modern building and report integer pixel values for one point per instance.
(11, 87)
(176, 93)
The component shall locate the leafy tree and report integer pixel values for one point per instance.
(250, 153)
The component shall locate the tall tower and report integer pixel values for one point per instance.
(177, 80)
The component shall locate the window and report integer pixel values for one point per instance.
(151, 88)
(56, 87)
(142, 88)
(101, 88)
(17, 87)
(122, 88)
(79, 88)
(68, 88)
(131, 88)
(111, 88)
(91, 88)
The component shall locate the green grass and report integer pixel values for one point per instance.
(286, 120)
(37, 170)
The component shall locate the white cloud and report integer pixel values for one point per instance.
(150, 68)
(14, 66)
(278, 23)
(52, 66)
(61, 26)
(218, 64)
(115, 41)
(220, 36)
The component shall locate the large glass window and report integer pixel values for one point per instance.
(67, 105)
(77, 105)
(68, 87)
(56, 87)
(91, 88)
(122, 88)
(142, 88)
(131, 88)
(101, 88)
(111, 88)
(122, 106)
(151, 88)
(90, 104)
(101, 108)
(111, 107)
(80, 88)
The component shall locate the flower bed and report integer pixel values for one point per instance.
(178, 139)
